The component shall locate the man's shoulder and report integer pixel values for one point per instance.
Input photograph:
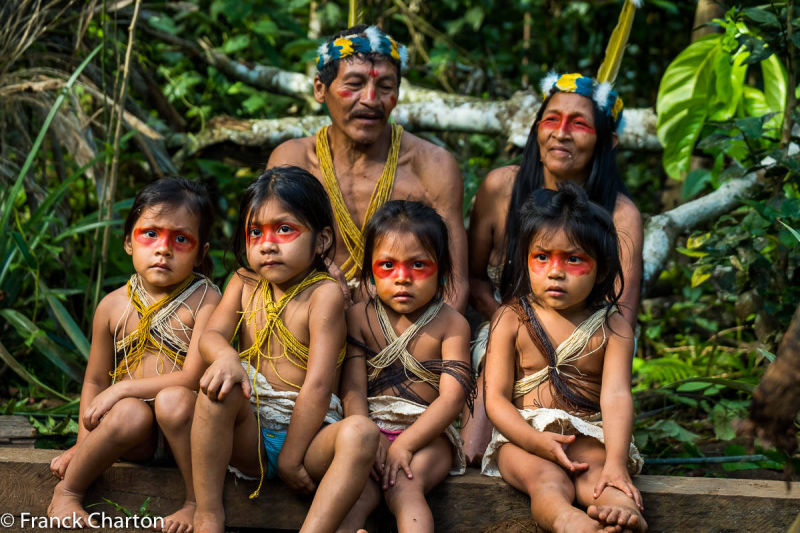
(426, 156)
(298, 152)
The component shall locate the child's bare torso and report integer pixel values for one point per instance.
(529, 359)
(125, 320)
(276, 367)
(425, 346)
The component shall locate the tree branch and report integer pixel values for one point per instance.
(662, 230)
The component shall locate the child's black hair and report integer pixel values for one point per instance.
(330, 70)
(178, 192)
(586, 224)
(300, 192)
(421, 221)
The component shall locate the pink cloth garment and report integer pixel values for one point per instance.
(391, 434)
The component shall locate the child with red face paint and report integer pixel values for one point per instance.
(144, 362)
(408, 362)
(558, 371)
(267, 406)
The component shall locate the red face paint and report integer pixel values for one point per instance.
(373, 73)
(417, 269)
(344, 93)
(280, 233)
(566, 122)
(393, 100)
(175, 240)
(574, 264)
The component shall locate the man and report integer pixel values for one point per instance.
(364, 161)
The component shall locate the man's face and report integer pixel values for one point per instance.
(361, 97)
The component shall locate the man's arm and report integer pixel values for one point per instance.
(445, 187)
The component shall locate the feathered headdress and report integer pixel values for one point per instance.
(373, 40)
(600, 90)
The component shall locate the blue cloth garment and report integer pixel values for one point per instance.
(273, 442)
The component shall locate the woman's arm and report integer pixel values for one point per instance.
(628, 222)
(616, 404)
(491, 197)
(326, 330)
(353, 389)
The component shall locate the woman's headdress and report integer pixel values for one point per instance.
(600, 90)
(372, 41)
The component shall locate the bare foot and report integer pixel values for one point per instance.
(181, 520)
(576, 521)
(209, 521)
(66, 507)
(626, 517)
(60, 463)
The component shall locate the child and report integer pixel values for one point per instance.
(546, 402)
(277, 393)
(408, 365)
(144, 359)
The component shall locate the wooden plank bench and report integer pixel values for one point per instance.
(470, 503)
(16, 431)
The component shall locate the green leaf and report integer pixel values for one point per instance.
(28, 330)
(791, 229)
(20, 370)
(728, 84)
(63, 317)
(12, 193)
(86, 227)
(692, 386)
(678, 135)
(26, 253)
(236, 43)
(722, 419)
(695, 181)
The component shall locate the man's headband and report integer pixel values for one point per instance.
(373, 41)
(603, 95)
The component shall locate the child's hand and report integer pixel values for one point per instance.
(552, 446)
(101, 404)
(380, 458)
(296, 476)
(397, 458)
(222, 376)
(59, 464)
(618, 477)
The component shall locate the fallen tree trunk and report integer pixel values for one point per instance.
(511, 118)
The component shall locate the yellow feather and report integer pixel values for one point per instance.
(616, 44)
(353, 17)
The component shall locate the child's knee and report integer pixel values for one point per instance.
(358, 435)
(174, 406)
(129, 419)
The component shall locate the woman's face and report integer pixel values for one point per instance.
(567, 139)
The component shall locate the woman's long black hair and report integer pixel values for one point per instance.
(586, 224)
(603, 185)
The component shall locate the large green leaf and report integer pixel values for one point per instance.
(728, 84)
(679, 135)
(43, 344)
(775, 83)
(684, 100)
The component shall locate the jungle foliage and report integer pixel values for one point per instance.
(80, 134)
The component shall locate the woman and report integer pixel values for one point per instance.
(572, 139)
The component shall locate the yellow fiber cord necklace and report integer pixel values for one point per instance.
(141, 340)
(293, 350)
(350, 233)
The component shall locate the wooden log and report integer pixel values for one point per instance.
(469, 503)
(16, 431)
